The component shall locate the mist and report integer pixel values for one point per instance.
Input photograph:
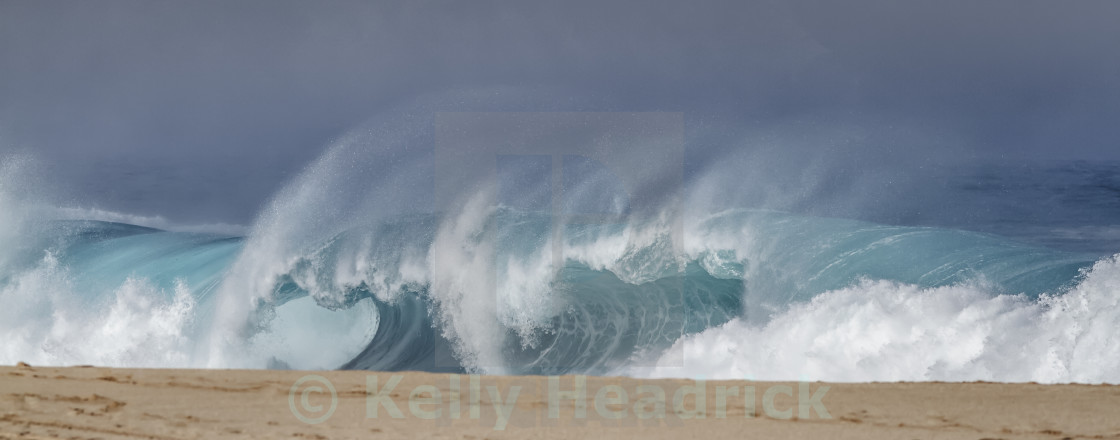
(201, 111)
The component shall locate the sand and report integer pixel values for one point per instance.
(115, 403)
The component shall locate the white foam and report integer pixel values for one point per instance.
(886, 331)
(641, 252)
(47, 321)
(464, 288)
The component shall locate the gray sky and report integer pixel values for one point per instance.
(200, 110)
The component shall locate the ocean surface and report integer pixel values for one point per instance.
(1005, 273)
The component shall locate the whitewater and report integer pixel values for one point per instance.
(337, 272)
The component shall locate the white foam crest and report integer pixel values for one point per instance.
(708, 243)
(155, 222)
(46, 321)
(723, 244)
(359, 260)
(887, 331)
(601, 252)
(642, 251)
(334, 195)
(356, 267)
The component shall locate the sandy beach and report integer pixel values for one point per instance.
(112, 403)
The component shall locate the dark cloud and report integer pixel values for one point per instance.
(200, 110)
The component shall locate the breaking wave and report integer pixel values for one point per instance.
(341, 270)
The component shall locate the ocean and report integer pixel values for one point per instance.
(999, 272)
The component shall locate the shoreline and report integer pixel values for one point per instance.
(110, 403)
